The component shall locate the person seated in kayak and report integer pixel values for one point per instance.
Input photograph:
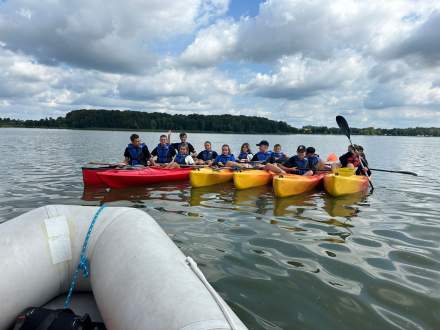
(164, 153)
(263, 155)
(183, 139)
(297, 164)
(182, 158)
(245, 155)
(277, 154)
(314, 162)
(226, 158)
(136, 153)
(206, 156)
(352, 159)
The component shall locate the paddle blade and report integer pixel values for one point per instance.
(343, 125)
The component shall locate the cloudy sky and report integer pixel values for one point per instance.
(376, 62)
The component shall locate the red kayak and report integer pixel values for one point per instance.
(91, 178)
(142, 177)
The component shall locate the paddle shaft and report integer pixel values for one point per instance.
(390, 171)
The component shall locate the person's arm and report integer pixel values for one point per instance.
(200, 156)
(126, 160)
(254, 158)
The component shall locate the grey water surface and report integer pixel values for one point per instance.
(308, 262)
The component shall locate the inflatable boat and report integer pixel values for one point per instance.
(138, 278)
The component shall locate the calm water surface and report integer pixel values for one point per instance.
(309, 262)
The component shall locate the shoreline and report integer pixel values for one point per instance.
(205, 132)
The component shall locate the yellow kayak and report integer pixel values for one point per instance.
(292, 184)
(207, 177)
(252, 178)
(345, 182)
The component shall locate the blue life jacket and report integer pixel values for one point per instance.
(280, 155)
(163, 153)
(180, 159)
(135, 154)
(313, 162)
(224, 159)
(206, 155)
(263, 156)
(243, 155)
(301, 164)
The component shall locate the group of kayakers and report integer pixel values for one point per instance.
(305, 162)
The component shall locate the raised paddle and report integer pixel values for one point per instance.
(343, 125)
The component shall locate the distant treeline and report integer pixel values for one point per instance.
(137, 120)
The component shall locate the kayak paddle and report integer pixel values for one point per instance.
(343, 125)
(389, 171)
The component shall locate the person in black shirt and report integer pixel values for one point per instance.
(183, 139)
(164, 153)
(206, 156)
(136, 153)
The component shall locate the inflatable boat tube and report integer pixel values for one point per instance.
(138, 278)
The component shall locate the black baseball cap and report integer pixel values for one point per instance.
(263, 143)
(301, 148)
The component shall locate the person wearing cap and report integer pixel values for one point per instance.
(183, 139)
(263, 155)
(297, 164)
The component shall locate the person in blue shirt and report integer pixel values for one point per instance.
(164, 153)
(277, 154)
(206, 156)
(182, 158)
(314, 162)
(297, 164)
(263, 155)
(136, 153)
(226, 158)
(245, 155)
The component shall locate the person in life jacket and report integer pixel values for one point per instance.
(183, 139)
(182, 158)
(226, 158)
(164, 153)
(353, 159)
(314, 162)
(277, 154)
(136, 153)
(263, 155)
(245, 155)
(297, 164)
(206, 156)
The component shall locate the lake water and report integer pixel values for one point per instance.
(309, 262)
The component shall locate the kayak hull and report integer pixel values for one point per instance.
(339, 185)
(207, 177)
(91, 177)
(291, 184)
(128, 178)
(252, 178)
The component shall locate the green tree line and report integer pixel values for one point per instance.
(137, 120)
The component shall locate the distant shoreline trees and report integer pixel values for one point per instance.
(137, 120)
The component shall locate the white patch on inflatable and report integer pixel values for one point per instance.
(189, 160)
(59, 239)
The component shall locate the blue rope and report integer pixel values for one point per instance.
(83, 264)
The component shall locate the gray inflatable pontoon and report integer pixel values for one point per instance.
(138, 278)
